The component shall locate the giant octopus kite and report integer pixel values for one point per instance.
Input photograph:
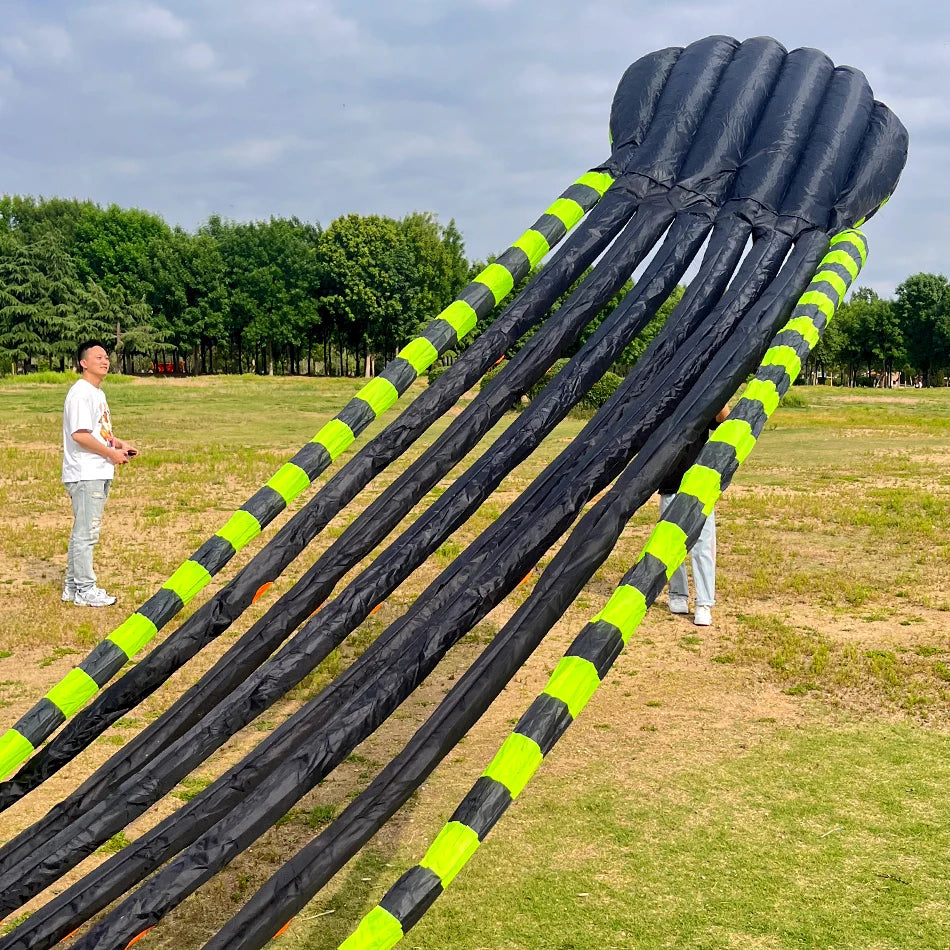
(759, 164)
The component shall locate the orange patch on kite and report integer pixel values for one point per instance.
(283, 929)
(71, 934)
(138, 938)
(375, 609)
(261, 591)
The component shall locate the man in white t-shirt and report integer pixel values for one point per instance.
(90, 453)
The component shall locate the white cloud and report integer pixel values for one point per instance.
(53, 44)
(255, 152)
(312, 17)
(35, 46)
(127, 167)
(148, 20)
(198, 56)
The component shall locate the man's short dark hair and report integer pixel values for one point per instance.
(85, 347)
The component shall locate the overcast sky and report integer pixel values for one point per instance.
(480, 110)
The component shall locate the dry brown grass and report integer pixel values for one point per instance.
(833, 608)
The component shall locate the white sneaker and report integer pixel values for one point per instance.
(69, 595)
(94, 597)
(702, 617)
(679, 604)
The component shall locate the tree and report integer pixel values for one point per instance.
(273, 276)
(44, 307)
(115, 246)
(923, 313)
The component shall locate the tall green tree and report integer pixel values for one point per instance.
(114, 247)
(923, 312)
(44, 306)
(366, 264)
(273, 275)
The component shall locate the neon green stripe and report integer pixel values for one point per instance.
(498, 280)
(573, 681)
(534, 244)
(806, 327)
(132, 634)
(599, 181)
(764, 391)
(625, 609)
(830, 277)
(420, 354)
(335, 437)
(845, 260)
(786, 357)
(449, 852)
(289, 481)
(702, 483)
(73, 691)
(738, 434)
(822, 301)
(855, 238)
(240, 528)
(187, 580)
(378, 930)
(14, 748)
(460, 316)
(379, 394)
(515, 762)
(569, 212)
(668, 543)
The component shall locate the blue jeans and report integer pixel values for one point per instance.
(703, 557)
(89, 501)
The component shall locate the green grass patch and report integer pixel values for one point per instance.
(819, 838)
(57, 654)
(189, 787)
(115, 844)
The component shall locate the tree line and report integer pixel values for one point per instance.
(874, 341)
(282, 295)
(288, 296)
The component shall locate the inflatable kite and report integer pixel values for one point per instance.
(756, 163)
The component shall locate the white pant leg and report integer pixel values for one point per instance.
(89, 501)
(703, 557)
(679, 585)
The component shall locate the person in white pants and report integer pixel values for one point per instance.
(90, 453)
(703, 553)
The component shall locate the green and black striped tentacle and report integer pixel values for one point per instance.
(475, 302)
(593, 652)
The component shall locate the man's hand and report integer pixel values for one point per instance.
(111, 453)
(126, 447)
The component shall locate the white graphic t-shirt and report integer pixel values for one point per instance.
(86, 408)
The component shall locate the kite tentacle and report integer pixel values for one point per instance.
(594, 650)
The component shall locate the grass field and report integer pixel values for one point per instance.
(778, 780)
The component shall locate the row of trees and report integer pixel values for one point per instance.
(288, 296)
(874, 341)
(280, 295)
